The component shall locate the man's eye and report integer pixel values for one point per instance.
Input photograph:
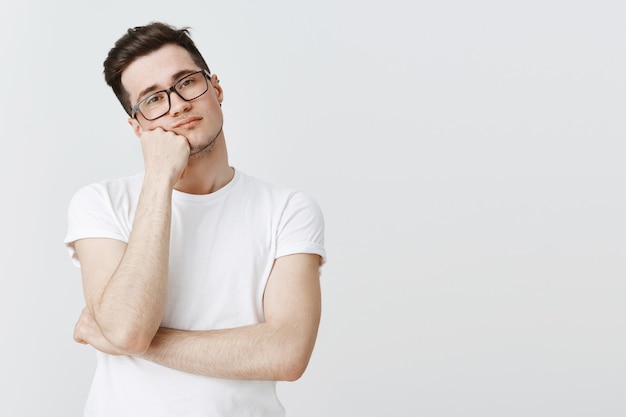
(187, 82)
(153, 100)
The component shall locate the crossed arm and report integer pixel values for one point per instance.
(277, 349)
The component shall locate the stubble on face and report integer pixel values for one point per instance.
(204, 150)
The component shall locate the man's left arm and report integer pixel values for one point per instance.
(277, 349)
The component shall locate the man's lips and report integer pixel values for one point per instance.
(187, 122)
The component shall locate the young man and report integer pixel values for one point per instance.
(201, 283)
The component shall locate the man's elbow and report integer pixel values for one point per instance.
(293, 373)
(136, 348)
(294, 364)
(131, 343)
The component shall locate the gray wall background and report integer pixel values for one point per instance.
(468, 156)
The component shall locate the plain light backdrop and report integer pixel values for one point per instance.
(468, 157)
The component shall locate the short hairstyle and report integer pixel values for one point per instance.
(140, 41)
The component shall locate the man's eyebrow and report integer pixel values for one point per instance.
(146, 91)
(178, 75)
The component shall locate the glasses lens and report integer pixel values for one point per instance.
(155, 105)
(192, 86)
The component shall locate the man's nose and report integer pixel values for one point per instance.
(177, 104)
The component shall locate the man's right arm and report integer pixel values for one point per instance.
(125, 285)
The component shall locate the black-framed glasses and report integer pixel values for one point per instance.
(159, 104)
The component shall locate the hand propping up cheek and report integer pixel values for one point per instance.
(165, 153)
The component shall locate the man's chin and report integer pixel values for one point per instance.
(201, 151)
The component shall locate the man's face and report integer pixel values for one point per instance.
(199, 120)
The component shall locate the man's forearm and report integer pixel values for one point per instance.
(256, 352)
(132, 303)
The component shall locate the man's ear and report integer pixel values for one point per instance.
(136, 127)
(219, 93)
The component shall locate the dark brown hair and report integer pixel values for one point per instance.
(140, 41)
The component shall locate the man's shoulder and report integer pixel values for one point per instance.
(115, 189)
(114, 184)
(280, 194)
(265, 186)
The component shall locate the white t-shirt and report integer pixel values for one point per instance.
(222, 249)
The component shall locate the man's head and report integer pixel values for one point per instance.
(141, 41)
(163, 82)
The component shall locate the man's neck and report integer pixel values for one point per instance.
(207, 173)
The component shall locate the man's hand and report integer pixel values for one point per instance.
(165, 154)
(87, 332)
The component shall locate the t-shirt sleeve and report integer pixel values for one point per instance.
(91, 215)
(301, 228)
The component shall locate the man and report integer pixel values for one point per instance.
(201, 283)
